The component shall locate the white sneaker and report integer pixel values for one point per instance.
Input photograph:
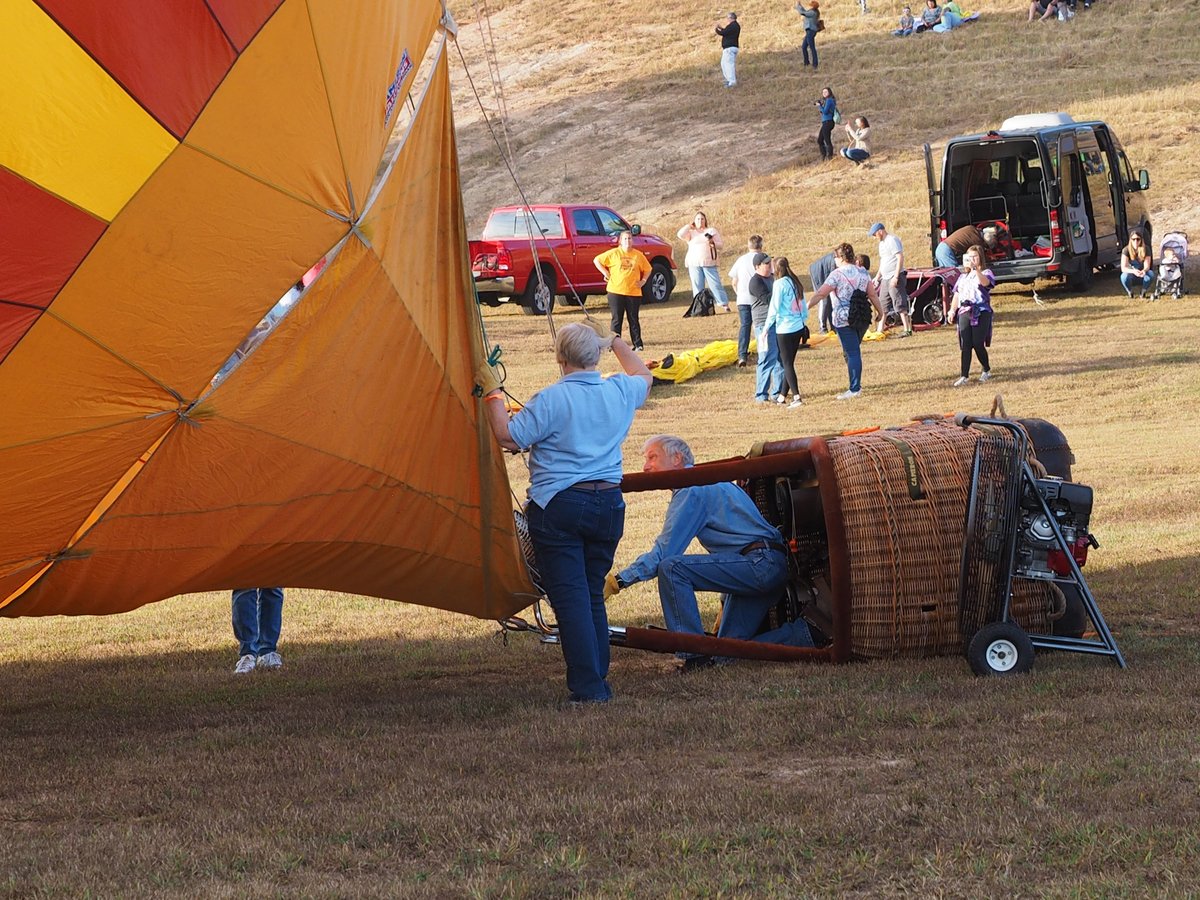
(985, 376)
(270, 660)
(245, 665)
(781, 399)
(796, 404)
(849, 395)
(960, 381)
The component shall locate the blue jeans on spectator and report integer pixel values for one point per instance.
(257, 620)
(729, 57)
(752, 583)
(1132, 282)
(768, 380)
(852, 350)
(809, 43)
(702, 274)
(745, 320)
(944, 256)
(574, 540)
(949, 21)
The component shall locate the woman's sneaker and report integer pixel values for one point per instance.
(245, 665)
(270, 660)
(849, 395)
(796, 404)
(961, 380)
(985, 376)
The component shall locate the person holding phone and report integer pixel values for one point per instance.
(972, 309)
(703, 242)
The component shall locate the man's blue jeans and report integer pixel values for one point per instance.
(710, 277)
(574, 540)
(769, 377)
(745, 320)
(257, 619)
(1132, 282)
(944, 256)
(753, 584)
(852, 350)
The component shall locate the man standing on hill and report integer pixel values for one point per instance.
(729, 49)
(893, 290)
(739, 276)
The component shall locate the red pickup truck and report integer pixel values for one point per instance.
(568, 240)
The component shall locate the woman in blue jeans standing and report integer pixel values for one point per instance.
(811, 13)
(574, 430)
(841, 285)
(828, 106)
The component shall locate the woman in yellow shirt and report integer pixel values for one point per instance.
(626, 270)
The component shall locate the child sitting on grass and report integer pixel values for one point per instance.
(906, 23)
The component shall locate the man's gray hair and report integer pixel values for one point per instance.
(577, 345)
(675, 446)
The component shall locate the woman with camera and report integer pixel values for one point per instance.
(972, 308)
(828, 106)
(703, 241)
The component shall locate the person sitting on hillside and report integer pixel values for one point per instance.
(930, 16)
(906, 23)
(745, 557)
(952, 17)
(859, 133)
(1042, 10)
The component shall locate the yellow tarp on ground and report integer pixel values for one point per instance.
(345, 450)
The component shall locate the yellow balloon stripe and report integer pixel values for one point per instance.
(67, 126)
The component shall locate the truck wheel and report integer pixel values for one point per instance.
(538, 299)
(1000, 648)
(660, 284)
(1081, 280)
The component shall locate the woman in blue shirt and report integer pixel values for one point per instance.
(574, 430)
(789, 314)
(828, 106)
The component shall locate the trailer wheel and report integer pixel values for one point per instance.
(1000, 648)
(538, 299)
(932, 313)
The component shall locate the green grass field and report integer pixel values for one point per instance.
(405, 751)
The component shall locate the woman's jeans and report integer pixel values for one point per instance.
(618, 306)
(974, 337)
(809, 43)
(574, 541)
(745, 320)
(257, 620)
(949, 21)
(855, 155)
(708, 276)
(825, 139)
(852, 350)
(1131, 281)
(768, 377)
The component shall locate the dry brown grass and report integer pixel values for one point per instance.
(409, 752)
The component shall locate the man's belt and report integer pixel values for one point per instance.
(762, 545)
(595, 486)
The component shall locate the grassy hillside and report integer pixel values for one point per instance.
(408, 752)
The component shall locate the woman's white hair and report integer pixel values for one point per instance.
(577, 345)
(674, 446)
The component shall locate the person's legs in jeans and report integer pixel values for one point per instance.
(712, 280)
(810, 44)
(574, 541)
(729, 65)
(944, 256)
(825, 313)
(768, 365)
(696, 275)
(852, 350)
(632, 306)
(788, 345)
(270, 619)
(744, 320)
(750, 579)
(616, 309)
(245, 620)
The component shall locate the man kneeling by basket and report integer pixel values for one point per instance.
(746, 559)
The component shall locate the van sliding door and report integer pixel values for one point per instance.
(1097, 178)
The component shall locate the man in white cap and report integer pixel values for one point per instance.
(893, 290)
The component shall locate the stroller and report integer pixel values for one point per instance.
(1172, 254)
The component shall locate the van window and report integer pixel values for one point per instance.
(515, 223)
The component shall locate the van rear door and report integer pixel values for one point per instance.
(1097, 175)
(935, 202)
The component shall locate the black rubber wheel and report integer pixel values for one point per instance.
(931, 313)
(1000, 648)
(660, 284)
(538, 299)
(1073, 622)
(1081, 281)
(489, 298)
